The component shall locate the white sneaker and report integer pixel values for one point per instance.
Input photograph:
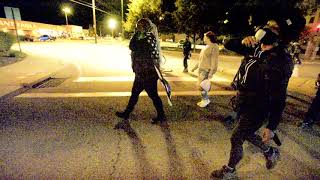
(203, 103)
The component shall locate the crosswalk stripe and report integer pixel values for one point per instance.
(131, 78)
(115, 94)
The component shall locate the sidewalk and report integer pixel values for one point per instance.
(26, 73)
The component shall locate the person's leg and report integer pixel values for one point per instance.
(312, 114)
(185, 63)
(203, 75)
(244, 128)
(152, 91)
(249, 122)
(137, 88)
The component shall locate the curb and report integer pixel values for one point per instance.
(27, 86)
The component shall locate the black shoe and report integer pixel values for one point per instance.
(158, 119)
(122, 115)
(272, 157)
(224, 173)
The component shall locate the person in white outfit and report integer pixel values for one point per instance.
(208, 65)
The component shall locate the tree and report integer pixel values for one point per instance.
(195, 17)
(142, 9)
(308, 6)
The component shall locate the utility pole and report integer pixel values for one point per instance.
(94, 21)
(122, 22)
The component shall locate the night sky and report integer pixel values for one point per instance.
(49, 11)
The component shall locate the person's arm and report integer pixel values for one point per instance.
(278, 74)
(241, 46)
(132, 45)
(153, 49)
(214, 62)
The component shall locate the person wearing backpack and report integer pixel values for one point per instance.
(144, 56)
(262, 84)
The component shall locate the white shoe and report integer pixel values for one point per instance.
(203, 103)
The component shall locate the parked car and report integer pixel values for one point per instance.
(27, 38)
(180, 43)
(47, 38)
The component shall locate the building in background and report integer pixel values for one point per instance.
(28, 28)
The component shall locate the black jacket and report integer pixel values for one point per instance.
(268, 86)
(144, 54)
(186, 47)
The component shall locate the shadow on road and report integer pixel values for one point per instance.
(175, 163)
(146, 170)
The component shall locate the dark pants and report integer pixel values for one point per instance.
(150, 86)
(314, 110)
(251, 119)
(185, 60)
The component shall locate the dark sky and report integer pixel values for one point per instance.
(49, 11)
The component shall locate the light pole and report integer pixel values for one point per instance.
(66, 11)
(94, 20)
(122, 30)
(112, 24)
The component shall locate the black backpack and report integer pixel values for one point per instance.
(251, 75)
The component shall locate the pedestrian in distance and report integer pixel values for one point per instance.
(313, 113)
(144, 56)
(262, 84)
(186, 53)
(207, 65)
(295, 51)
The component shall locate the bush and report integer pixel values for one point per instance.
(6, 41)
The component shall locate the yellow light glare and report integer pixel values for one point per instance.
(112, 23)
(66, 10)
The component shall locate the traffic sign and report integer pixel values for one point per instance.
(12, 13)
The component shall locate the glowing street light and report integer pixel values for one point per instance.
(66, 11)
(112, 23)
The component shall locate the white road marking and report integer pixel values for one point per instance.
(115, 94)
(131, 78)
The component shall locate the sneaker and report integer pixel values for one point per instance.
(272, 157)
(185, 70)
(158, 119)
(224, 173)
(203, 103)
(122, 115)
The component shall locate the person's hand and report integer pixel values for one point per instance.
(249, 41)
(267, 135)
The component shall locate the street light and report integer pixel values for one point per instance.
(112, 23)
(66, 11)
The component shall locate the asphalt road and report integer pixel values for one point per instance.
(63, 129)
